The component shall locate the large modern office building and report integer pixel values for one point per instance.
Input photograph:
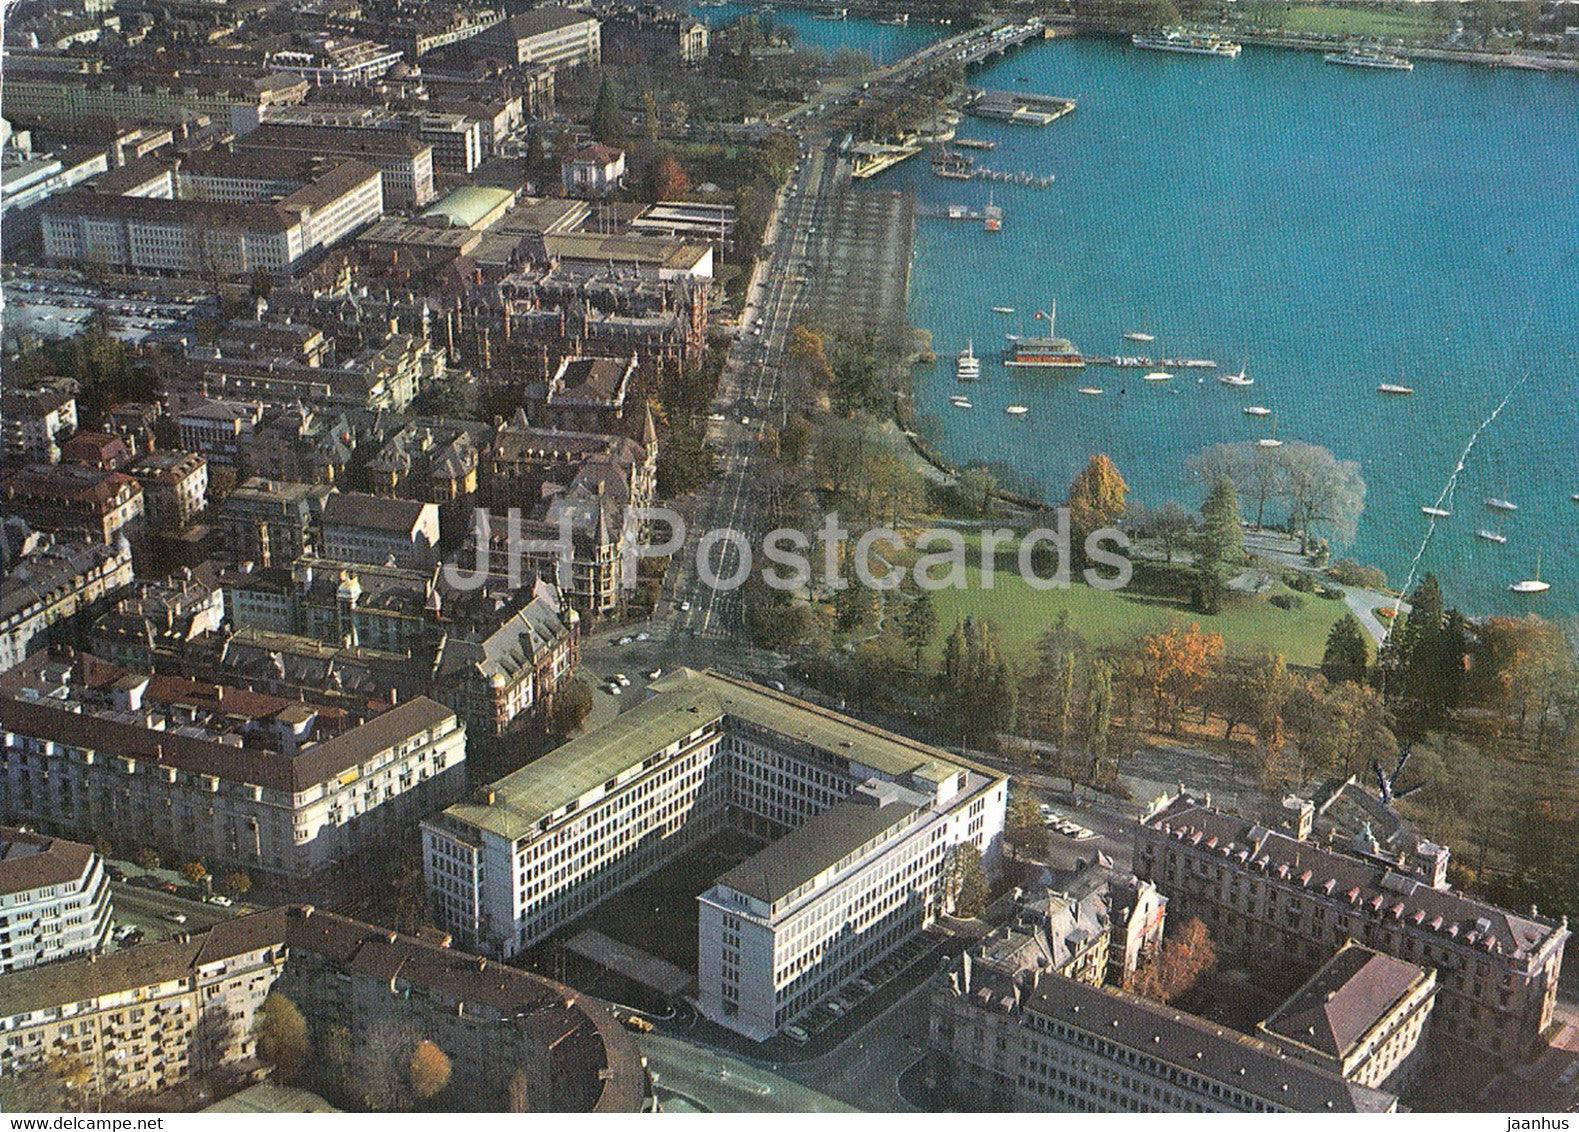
(859, 822)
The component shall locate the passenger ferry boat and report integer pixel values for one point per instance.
(968, 367)
(1186, 43)
(1050, 352)
(1372, 57)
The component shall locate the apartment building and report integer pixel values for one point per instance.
(35, 90)
(175, 488)
(52, 583)
(71, 500)
(551, 35)
(593, 171)
(145, 1018)
(272, 523)
(286, 790)
(1278, 896)
(406, 162)
(1055, 1044)
(219, 428)
(1363, 1015)
(376, 529)
(456, 138)
(705, 752)
(34, 423)
(148, 1017)
(54, 899)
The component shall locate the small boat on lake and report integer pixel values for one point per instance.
(1257, 411)
(1159, 375)
(1395, 390)
(1491, 536)
(960, 402)
(1436, 512)
(1501, 504)
(1532, 585)
(1093, 391)
(1002, 310)
(1269, 442)
(1139, 336)
(1017, 410)
(1239, 378)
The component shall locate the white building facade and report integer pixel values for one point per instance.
(54, 899)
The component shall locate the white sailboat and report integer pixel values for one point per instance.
(1395, 390)
(1436, 512)
(1257, 411)
(1500, 504)
(968, 367)
(1239, 379)
(1158, 375)
(1017, 410)
(1093, 391)
(1491, 536)
(1532, 585)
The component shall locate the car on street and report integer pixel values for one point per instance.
(643, 635)
(622, 680)
(797, 1035)
(221, 901)
(655, 673)
(837, 1007)
(1085, 835)
(625, 640)
(175, 917)
(685, 607)
(636, 1022)
(716, 418)
(612, 688)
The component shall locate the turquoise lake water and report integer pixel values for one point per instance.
(1326, 227)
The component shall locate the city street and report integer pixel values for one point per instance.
(692, 1076)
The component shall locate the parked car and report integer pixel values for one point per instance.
(175, 917)
(222, 901)
(612, 688)
(625, 640)
(797, 1035)
(838, 1007)
(685, 607)
(622, 680)
(643, 635)
(655, 673)
(866, 985)
(1084, 835)
(636, 1022)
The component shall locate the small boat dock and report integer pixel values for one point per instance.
(1018, 107)
(868, 159)
(975, 143)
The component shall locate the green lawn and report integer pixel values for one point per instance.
(1372, 23)
(1248, 623)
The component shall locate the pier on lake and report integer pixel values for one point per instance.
(1018, 107)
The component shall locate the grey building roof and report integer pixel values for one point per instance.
(1195, 1045)
(1346, 999)
(810, 849)
(30, 860)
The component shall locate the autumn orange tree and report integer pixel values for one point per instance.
(430, 1069)
(1177, 663)
(1179, 964)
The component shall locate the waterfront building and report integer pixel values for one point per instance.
(864, 821)
(286, 790)
(54, 899)
(1278, 897)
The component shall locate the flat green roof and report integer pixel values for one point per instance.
(680, 704)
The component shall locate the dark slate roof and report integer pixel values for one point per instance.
(1364, 883)
(1354, 991)
(372, 512)
(1195, 1045)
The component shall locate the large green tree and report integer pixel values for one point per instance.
(1220, 547)
(1347, 655)
(606, 121)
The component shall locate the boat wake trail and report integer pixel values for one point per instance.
(1446, 495)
